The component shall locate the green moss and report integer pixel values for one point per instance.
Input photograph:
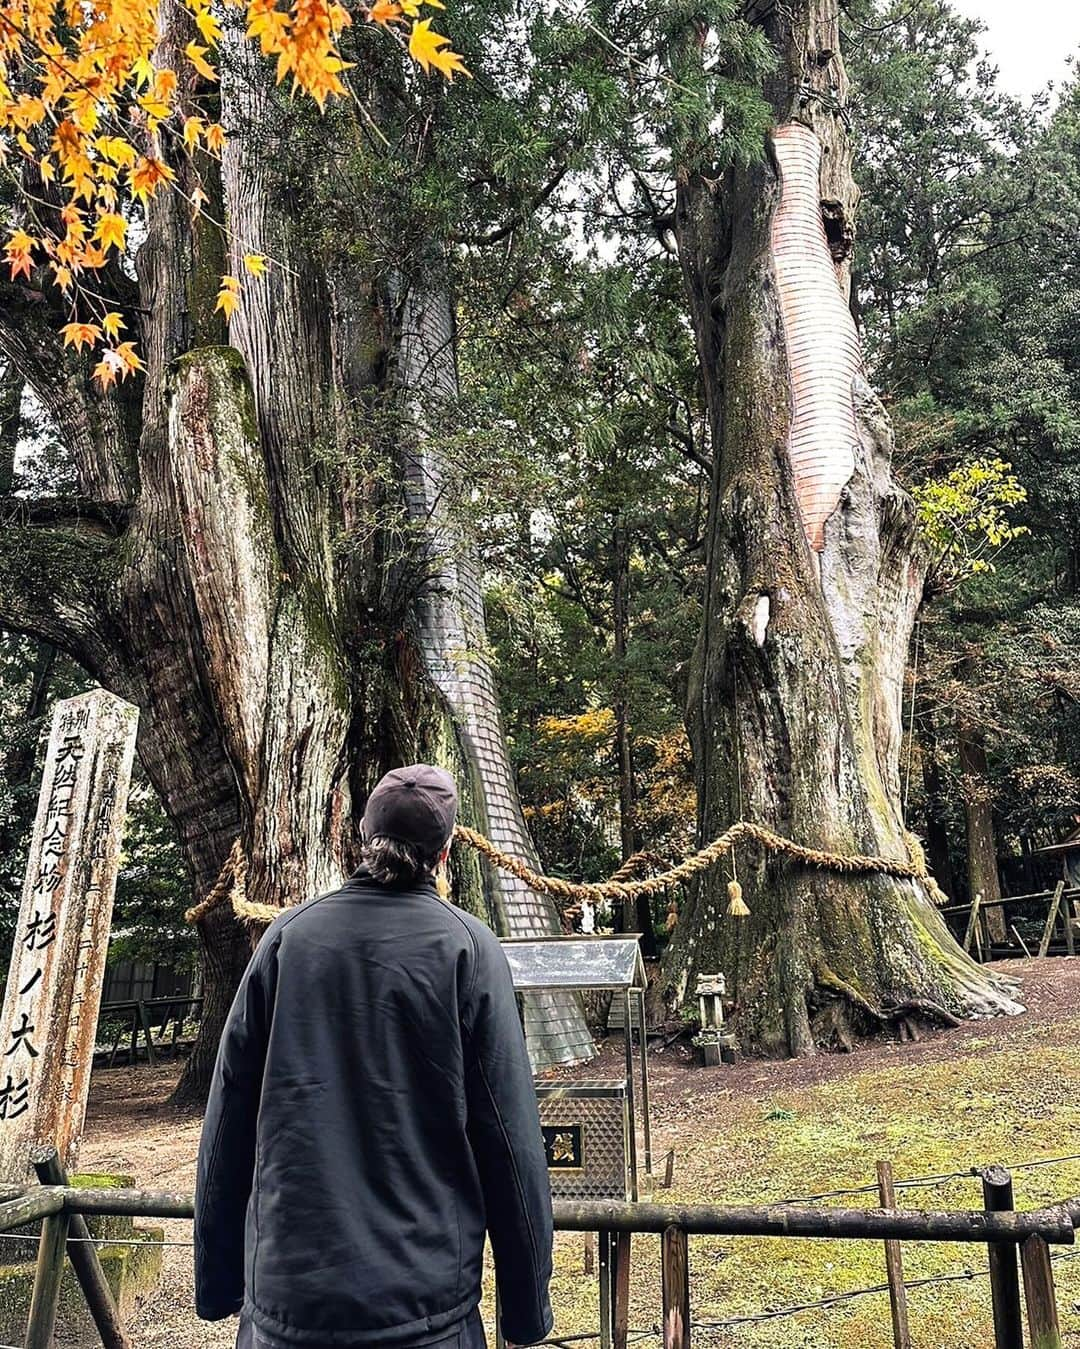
(131, 1271)
(995, 1099)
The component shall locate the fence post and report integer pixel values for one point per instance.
(1004, 1276)
(894, 1264)
(1043, 1328)
(973, 918)
(621, 1310)
(50, 1270)
(675, 1281)
(84, 1259)
(144, 1020)
(605, 1249)
(1051, 920)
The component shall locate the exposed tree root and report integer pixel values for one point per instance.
(903, 1014)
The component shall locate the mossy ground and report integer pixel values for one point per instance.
(1000, 1091)
(1004, 1091)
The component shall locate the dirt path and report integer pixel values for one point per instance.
(1003, 1090)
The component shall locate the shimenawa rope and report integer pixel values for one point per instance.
(231, 884)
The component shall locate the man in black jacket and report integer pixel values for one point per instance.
(372, 1111)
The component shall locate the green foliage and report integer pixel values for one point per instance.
(966, 514)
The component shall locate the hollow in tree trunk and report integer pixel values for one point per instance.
(813, 578)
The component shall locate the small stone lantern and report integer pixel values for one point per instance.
(716, 1046)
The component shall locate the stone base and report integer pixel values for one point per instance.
(716, 1049)
(132, 1272)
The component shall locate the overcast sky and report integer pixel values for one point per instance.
(1028, 40)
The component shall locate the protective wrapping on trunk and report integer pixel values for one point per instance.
(450, 629)
(819, 333)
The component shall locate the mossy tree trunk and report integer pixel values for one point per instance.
(223, 566)
(814, 576)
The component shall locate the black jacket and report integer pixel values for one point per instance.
(372, 1110)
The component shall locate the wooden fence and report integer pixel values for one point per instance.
(1062, 909)
(137, 1015)
(62, 1211)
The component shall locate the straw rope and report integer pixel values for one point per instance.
(231, 883)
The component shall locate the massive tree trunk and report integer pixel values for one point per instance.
(814, 575)
(221, 567)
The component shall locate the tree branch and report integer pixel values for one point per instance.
(99, 430)
(53, 586)
(685, 443)
(80, 514)
(519, 217)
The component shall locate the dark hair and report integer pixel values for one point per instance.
(394, 863)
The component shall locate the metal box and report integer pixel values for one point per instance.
(586, 1138)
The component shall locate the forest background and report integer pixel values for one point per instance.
(582, 442)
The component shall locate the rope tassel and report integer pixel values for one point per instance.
(736, 905)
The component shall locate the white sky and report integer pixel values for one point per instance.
(1028, 40)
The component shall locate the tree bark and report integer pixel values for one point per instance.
(938, 856)
(238, 588)
(638, 917)
(447, 617)
(983, 876)
(814, 576)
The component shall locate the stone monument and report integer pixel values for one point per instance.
(50, 1009)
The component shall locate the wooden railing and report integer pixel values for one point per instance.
(63, 1209)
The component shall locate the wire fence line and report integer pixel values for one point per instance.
(748, 1318)
(926, 1182)
(957, 1276)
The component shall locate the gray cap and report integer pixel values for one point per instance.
(416, 805)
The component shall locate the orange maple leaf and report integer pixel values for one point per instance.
(384, 12)
(105, 371)
(79, 335)
(17, 252)
(147, 175)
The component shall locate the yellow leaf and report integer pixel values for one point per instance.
(429, 49)
(193, 129)
(196, 55)
(112, 323)
(142, 72)
(215, 138)
(255, 263)
(208, 26)
(228, 297)
(111, 231)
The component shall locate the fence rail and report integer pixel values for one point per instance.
(63, 1209)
